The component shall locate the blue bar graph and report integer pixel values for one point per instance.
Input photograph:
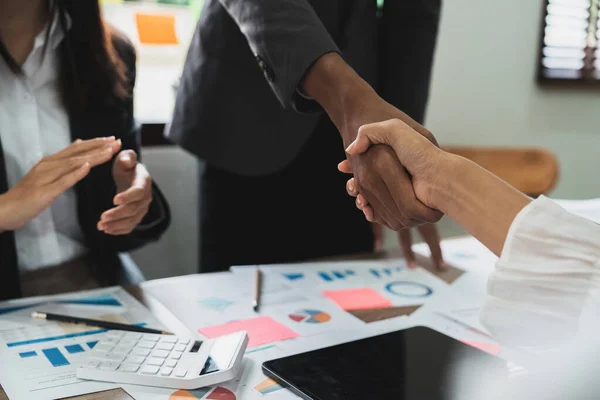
(68, 336)
(338, 275)
(55, 357)
(74, 349)
(92, 344)
(375, 273)
(28, 354)
(387, 271)
(325, 277)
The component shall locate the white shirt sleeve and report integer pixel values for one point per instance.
(547, 275)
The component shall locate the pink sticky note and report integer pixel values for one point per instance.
(491, 348)
(357, 299)
(261, 330)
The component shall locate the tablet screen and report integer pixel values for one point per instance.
(413, 364)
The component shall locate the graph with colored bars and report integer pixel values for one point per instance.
(385, 272)
(59, 356)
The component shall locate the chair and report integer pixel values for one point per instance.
(533, 171)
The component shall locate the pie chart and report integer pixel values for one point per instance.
(217, 393)
(310, 316)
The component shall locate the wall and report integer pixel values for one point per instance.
(484, 91)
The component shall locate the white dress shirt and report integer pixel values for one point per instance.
(544, 289)
(35, 124)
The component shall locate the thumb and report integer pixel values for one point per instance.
(127, 159)
(368, 135)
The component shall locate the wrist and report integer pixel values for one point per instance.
(449, 172)
(339, 90)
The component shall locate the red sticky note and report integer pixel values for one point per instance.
(491, 348)
(261, 330)
(357, 299)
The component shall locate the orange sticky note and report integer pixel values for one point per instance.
(156, 28)
(357, 299)
(261, 330)
(491, 348)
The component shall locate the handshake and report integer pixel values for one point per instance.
(393, 158)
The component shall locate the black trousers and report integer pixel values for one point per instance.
(299, 213)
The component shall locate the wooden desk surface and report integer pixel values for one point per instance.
(159, 311)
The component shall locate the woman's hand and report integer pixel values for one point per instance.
(134, 195)
(50, 178)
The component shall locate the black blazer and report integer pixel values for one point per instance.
(238, 107)
(96, 191)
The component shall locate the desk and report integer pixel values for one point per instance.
(159, 310)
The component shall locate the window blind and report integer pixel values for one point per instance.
(570, 41)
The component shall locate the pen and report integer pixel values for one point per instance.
(257, 289)
(95, 322)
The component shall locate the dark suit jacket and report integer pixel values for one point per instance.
(96, 191)
(238, 106)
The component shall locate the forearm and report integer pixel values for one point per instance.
(479, 201)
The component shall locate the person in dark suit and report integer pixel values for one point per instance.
(73, 193)
(250, 103)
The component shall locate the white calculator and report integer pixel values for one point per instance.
(164, 360)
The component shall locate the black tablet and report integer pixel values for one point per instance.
(416, 363)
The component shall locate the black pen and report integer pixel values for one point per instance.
(257, 289)
(97, 323)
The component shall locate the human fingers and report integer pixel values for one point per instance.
(405, 238)
(120, 227)
(141, 187)
(345, 167)
(126, 211)
(351, 188)
(127, 159)
(66, 181)
(80, 147)
(430, 235)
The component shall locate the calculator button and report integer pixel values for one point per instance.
(133, 336)
(176, 355)
(166, 371)
(127, 343)
(180, 347)
(122, 349)
(129, 367)
(110, 340)
(169, 339)
(150, 370)
(151, 337)
(115, 334)
(135, 359)
(140, 352)
(103, 348)
(160, 353)
(171, 363)
(165, 346)
(91, 364)
(184, 341)
(155, 361)
(114, 357)
(109, 366)
(144, 344)
(180, 372)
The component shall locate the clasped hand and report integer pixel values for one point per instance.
(406, 162)
(55, 174)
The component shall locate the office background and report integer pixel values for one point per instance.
(484, 93)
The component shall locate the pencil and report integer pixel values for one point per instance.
(257, 289)
(97, 323)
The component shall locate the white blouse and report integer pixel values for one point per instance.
(35, 124)
(544, 289)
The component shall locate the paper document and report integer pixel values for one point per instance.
(38, 358)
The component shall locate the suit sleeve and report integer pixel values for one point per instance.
(408, 36)
(287, 38)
